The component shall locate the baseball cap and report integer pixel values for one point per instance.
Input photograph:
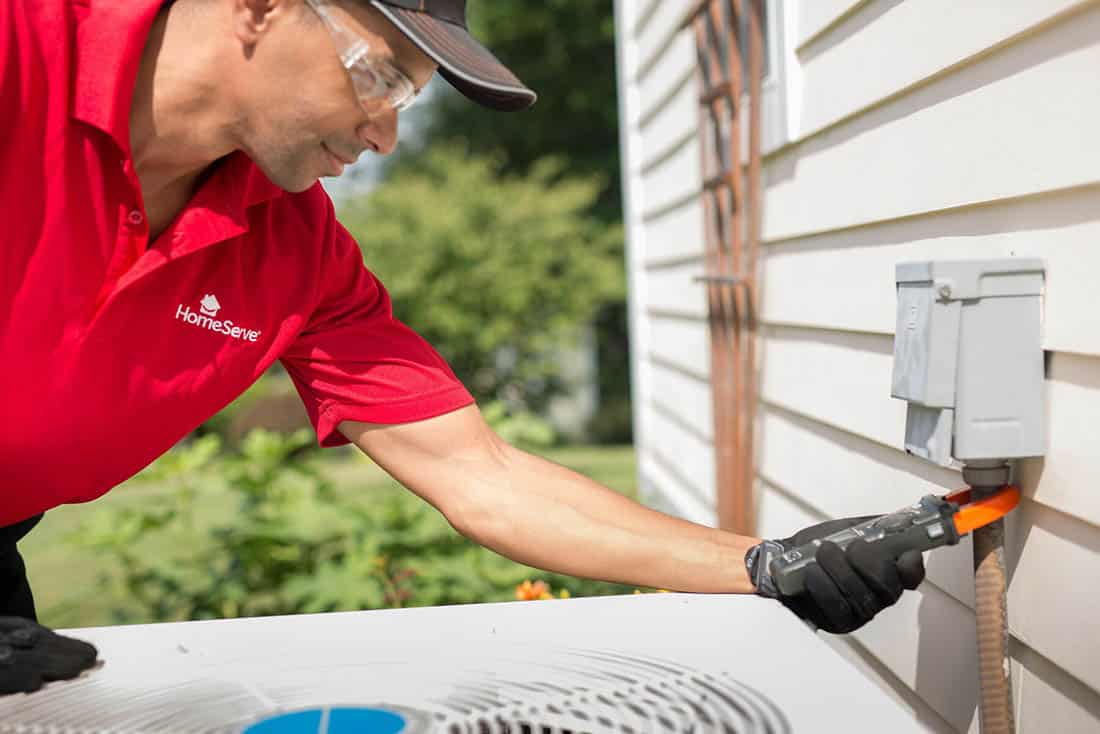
(438, 28)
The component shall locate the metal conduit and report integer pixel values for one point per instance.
(990, 607)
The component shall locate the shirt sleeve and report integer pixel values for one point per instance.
(355, 361)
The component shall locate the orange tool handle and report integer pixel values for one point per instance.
(973, 515)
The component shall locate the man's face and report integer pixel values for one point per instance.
(301, 118)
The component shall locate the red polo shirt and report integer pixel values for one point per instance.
(112, 347)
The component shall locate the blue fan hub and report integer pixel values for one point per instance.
(331, 720)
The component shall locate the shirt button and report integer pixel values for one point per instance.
(135, 218)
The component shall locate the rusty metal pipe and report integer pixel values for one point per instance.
(990, 607)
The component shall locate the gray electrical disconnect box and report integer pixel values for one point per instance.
(968, 358)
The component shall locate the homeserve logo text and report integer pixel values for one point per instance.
(207, 319)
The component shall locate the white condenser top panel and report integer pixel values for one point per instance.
(640, 664)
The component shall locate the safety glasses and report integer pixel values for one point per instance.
(375, 79)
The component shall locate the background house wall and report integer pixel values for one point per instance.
(917, 130)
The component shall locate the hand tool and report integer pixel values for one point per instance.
(931, 522)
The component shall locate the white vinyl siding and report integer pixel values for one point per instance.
(923, 130)
(664, 220)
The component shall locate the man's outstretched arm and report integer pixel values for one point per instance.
(549, 517)
(544, 515)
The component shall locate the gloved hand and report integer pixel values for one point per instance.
(30, 655)
(846, 588)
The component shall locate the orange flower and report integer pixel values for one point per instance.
(528, 591)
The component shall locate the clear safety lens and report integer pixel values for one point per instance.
(377, 79)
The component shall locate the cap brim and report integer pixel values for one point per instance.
(466, 64)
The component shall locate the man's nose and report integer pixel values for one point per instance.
(380, 130)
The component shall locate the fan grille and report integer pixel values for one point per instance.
(505, 691)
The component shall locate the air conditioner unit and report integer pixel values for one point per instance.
(625, 664)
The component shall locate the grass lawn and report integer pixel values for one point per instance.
(65, 577)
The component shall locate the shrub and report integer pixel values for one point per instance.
(498, 272)
(259, 531)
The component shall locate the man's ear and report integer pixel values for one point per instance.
(252, 19)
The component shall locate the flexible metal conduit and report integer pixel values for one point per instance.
(990, 607)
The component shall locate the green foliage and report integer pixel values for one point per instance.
(565, 51)
(220, 422)
(613, 423)
(259, 531)
(520, 428)
(497, 272)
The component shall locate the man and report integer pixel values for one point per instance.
(166, 241)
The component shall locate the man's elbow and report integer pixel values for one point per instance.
(483, 509)
(455, 462)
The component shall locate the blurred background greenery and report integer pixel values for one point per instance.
(524, 209)
(499, 238)
(275, 526)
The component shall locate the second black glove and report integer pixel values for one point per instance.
(31, 655)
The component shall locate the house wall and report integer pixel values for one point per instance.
(664, 222)
(916, 130)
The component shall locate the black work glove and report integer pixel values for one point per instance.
(846, 588)
(31, 655)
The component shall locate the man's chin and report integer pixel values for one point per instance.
(291, 179)
(294, 180)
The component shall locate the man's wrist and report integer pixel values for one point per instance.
(757, 562)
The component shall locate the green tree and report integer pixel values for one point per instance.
(496, 270)
(565, 51)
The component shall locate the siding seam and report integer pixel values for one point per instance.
(927, 715)
(658, 361)
(648, 472)
(670, 206)
(674, 261)
(668, 152)
(644, 17)
(772, 403)
(664, 98)
(646, 66)
(777, 324)
(685, 484)
(681, 422)
(831, 26)
(676, 315)
(1067, 684)
(1003, 201)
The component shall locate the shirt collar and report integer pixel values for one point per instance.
(252, 185)
(110, 38)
